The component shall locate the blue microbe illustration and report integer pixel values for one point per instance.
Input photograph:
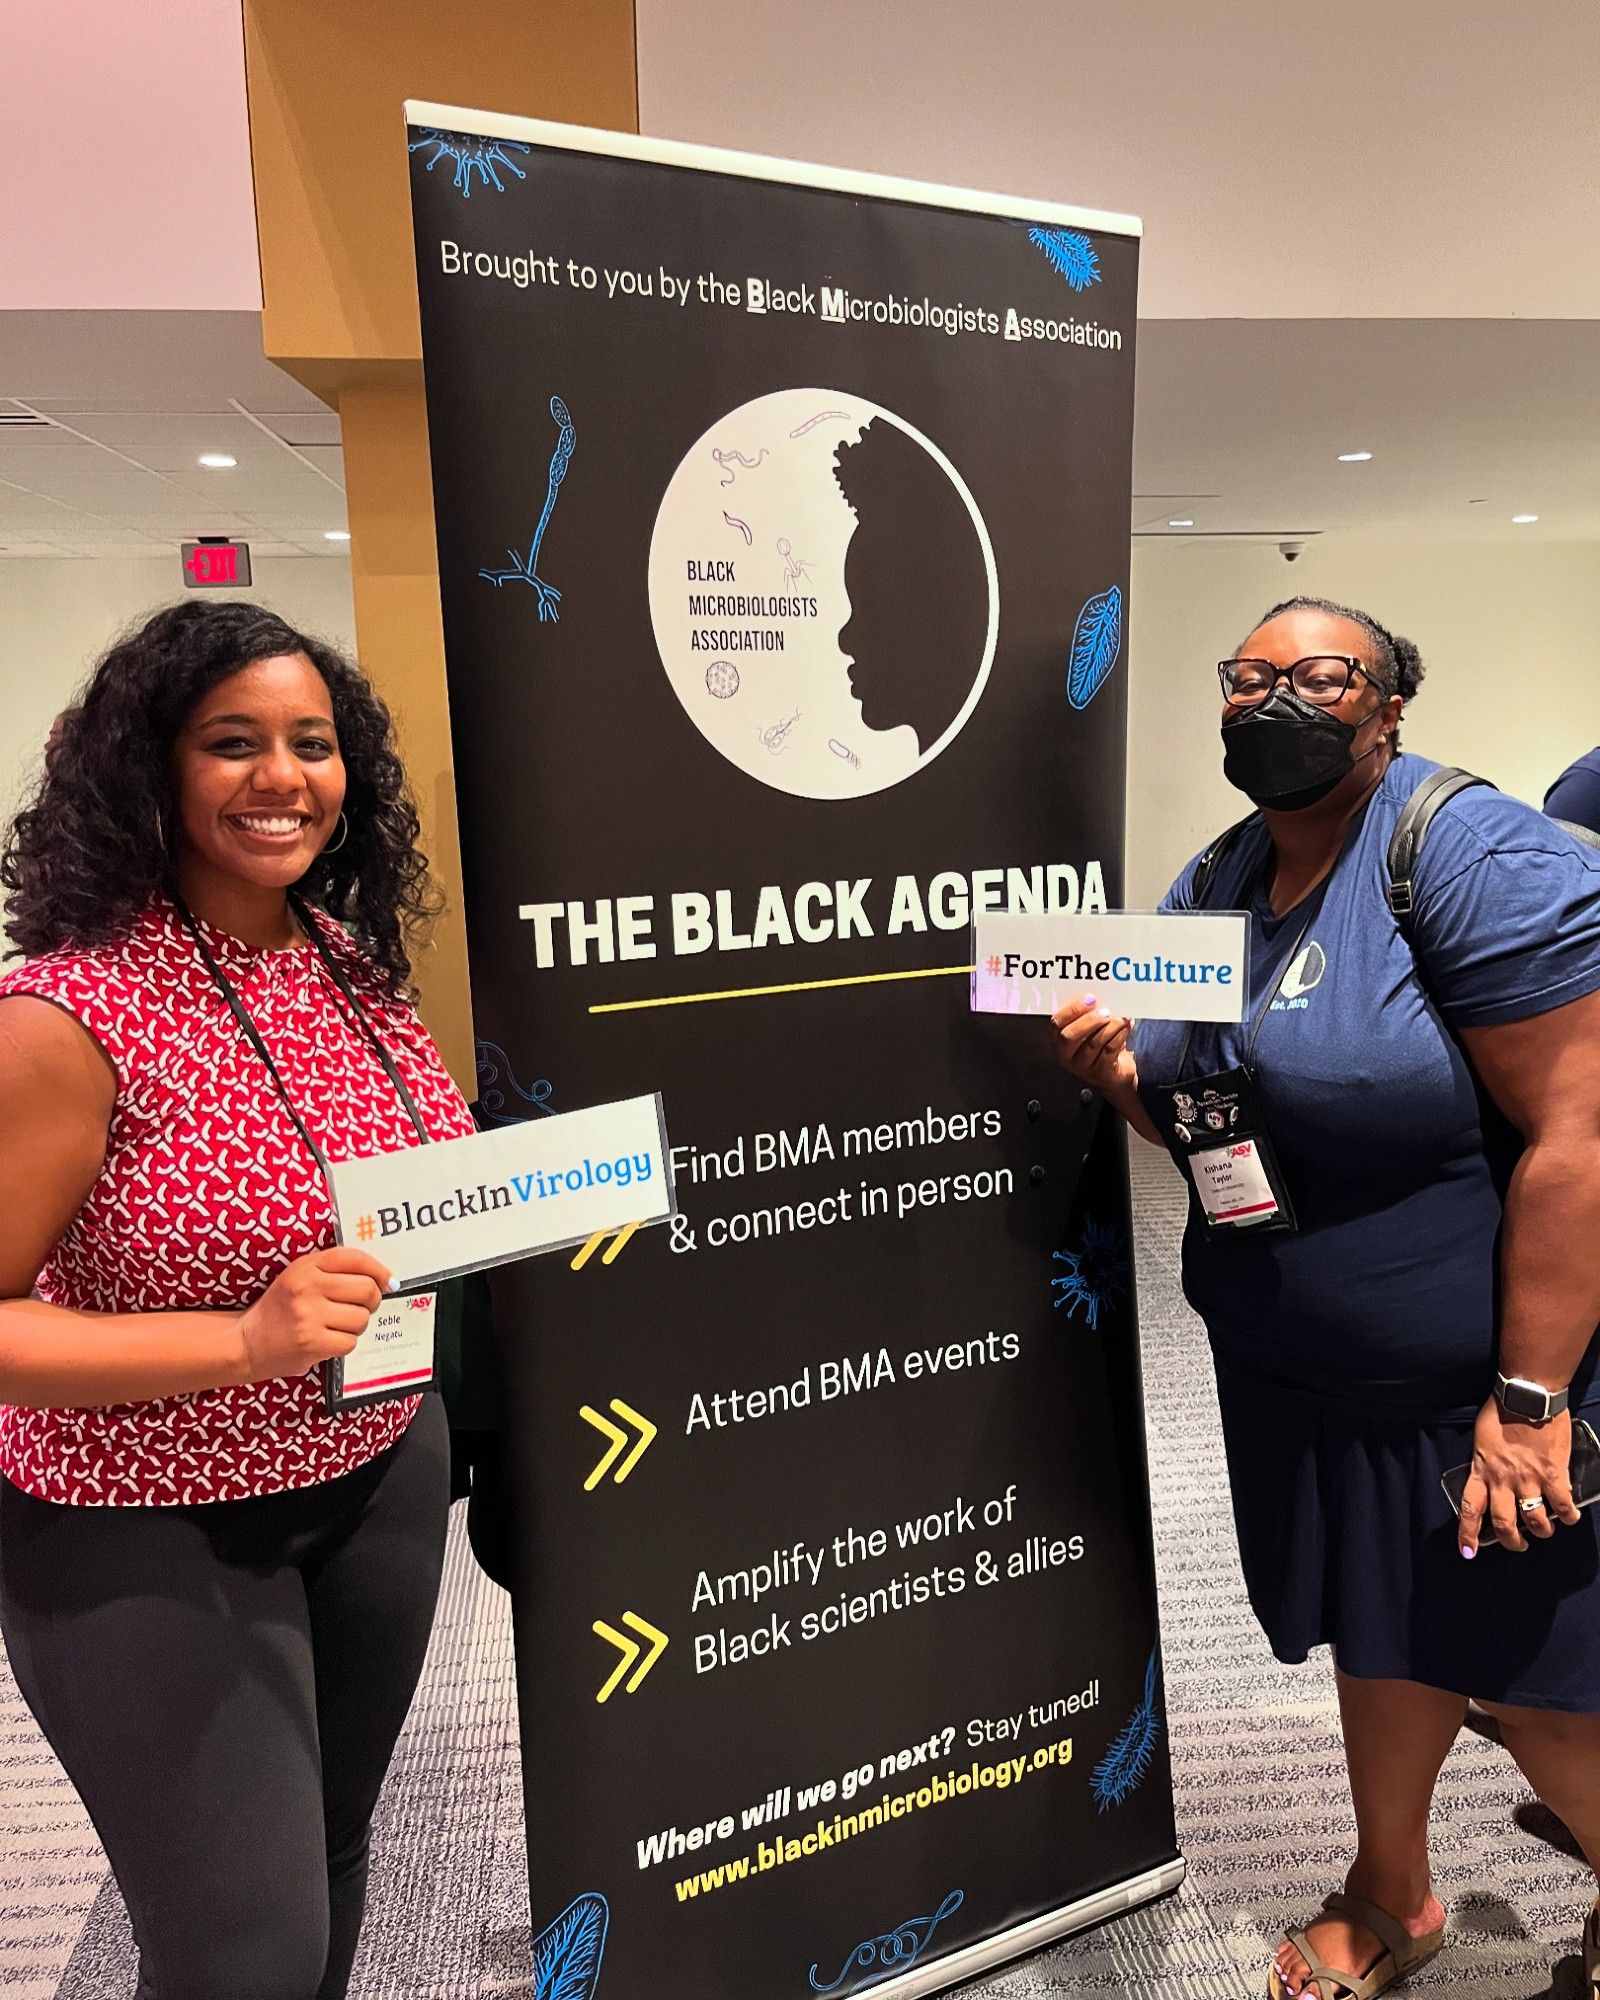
(525, 569)
(1071, 254)
(1126, 1765)
(890, 1953)
(496, 1077)
(566, 1958)
(1096, 1277)
(1096, 642)
(473, 155)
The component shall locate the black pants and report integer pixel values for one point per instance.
(224, 1686)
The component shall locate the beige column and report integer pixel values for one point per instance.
(327, 83)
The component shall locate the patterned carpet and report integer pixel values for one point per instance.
(1262, 1814)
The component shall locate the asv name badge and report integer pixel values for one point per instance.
(1232, 1184)
(394, 1357)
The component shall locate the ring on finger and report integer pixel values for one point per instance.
(1531, 1504)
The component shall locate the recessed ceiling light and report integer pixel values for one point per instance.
(336, 534)
(217, 461)
(1180, 524)
(1523, 520)
(1354, 457)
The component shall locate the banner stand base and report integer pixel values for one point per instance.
(976, 1959)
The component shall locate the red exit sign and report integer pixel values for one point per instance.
(216, 563)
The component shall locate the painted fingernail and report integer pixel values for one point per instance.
(1468, 1554)
(1088, 1000)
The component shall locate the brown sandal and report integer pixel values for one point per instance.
(1403, 1954)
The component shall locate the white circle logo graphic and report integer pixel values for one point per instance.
(823, 592)
(1305, 973)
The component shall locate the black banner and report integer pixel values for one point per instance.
(783, 534)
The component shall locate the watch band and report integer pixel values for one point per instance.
(1531, 1402)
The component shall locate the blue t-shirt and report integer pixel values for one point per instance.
(1575, 795)
(1395, 1162)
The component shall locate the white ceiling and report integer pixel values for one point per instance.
(1240, 424)
(128, 483)
(1240, 419)
(129, 401)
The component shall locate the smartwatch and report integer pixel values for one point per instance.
(1530, 1402)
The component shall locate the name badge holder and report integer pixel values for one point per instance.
(403, 1327)
(1216, 1128)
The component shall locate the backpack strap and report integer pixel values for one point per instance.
(1206, 866)
(1416, 816)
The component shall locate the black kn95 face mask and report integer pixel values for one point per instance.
(1287, 754)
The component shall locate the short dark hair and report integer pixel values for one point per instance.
(1395, 661)
(84, 857)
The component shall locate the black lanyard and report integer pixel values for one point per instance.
(1262, 1011)
(252, 1033)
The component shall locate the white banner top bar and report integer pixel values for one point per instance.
(759, 167)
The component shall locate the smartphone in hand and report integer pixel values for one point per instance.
(1583, 1470)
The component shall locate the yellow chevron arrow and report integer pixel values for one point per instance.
(647, 1435)
(629, 1649)
(624, 1236)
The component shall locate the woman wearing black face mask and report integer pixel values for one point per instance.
(1406, 1275)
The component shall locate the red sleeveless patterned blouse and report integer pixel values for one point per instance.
(207, 1192)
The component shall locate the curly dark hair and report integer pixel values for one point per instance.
(1395, 661)
(84, 858)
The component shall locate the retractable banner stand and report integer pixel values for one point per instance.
(783, 522)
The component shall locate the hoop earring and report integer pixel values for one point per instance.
(333, 846)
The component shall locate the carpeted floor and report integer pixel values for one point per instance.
(1262, 1814)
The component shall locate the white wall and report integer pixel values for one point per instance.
(1510, 637)
(125, 153)
(57, 617)
(1433, 159)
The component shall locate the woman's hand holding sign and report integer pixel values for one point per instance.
(316, 1309)
(1092, 1045)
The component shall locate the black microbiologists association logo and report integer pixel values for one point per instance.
(823, 592)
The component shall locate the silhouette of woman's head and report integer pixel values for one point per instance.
(918, 589)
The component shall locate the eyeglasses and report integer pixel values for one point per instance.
(1322, 679)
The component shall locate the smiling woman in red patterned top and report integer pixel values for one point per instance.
(215, 1593)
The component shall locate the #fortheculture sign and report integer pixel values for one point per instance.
(1153, 967)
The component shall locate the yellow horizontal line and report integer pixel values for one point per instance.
(795, 986)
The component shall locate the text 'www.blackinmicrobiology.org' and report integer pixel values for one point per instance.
(783, 1850)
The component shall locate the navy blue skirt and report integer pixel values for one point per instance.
(1347, 1540)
